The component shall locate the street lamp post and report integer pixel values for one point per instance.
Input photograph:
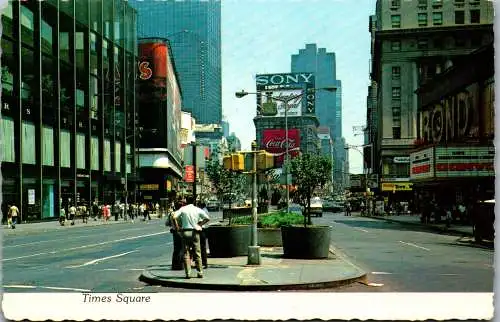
(286, 101)
(254, 249)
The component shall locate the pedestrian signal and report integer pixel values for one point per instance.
(237, 162)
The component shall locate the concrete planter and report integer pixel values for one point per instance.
(228, 241)
(312, 242)
(269, 237)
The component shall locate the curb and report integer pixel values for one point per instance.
(146, 277)
(430, 227)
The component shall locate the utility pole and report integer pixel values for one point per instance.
(254, 249)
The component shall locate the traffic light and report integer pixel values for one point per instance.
(265, 160)
(227, 162)
(237, 162)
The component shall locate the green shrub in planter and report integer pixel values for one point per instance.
(271, 220)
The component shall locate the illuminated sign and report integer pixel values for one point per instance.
(150, 186)
(284, 79)
(422, 164)
(145, 71)
(396, 186)
(472, 161)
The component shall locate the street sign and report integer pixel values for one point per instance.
(189, 173)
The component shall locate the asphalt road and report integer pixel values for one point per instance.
(110, 258)
(404, 258)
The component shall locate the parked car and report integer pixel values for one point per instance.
(295, 208)
(316, 206)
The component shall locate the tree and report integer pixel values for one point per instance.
(224, 181)
(309, 171)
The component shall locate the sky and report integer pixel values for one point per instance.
(259, 37)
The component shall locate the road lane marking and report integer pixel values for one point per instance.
(366, 231)
(110, 269)
(95, 261)
(72, 238)
(445, 274)
(410, 244)
(84, 246)
(381, 273)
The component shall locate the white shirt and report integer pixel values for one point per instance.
(190, 216)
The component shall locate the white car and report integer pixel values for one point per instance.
(317, 206)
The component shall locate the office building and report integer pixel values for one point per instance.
(328, 103)
(411, 42)
(68, 104)
(233, 143)
(193, 29)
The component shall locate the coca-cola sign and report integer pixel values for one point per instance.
(274, 141)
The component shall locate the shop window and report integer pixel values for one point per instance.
(396, 21)
(93, 54)
(396, 132)
(8, 68)
(80, 50)
(422, 19)
(128, 158)
(27, 75)
(7, 17)
(94, 97)
(94, 153)
(28, 143)
(8, 143)
(48, 146)
(437, 18)
(118, 156)
(64, 46)
(80, 151)
(475, 16)
(396, 45)
(459, 17)
(65, 149)
(107, 155)
(27, 25)
(47, 38)
(48, 83)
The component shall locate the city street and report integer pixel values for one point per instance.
(110, 257)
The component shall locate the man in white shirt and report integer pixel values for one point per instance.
(189, 220)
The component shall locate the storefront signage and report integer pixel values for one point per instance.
(465, 161)
(396, 186)
(145, 72)
(274, 141)
(422, 164)
(453, 119)
(284, 79)
(189, 173)
(149, 186)
(401, 159)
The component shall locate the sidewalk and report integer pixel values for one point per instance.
(415, 220)
(274, 273)
(46, 226)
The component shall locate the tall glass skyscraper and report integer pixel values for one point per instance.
(193, 28)
(328, 104)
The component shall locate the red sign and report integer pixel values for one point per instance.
(274, 141)
(189, 173)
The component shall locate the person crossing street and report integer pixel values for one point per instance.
(189, 220)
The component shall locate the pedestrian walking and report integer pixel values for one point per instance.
(130, 212)
(203, 238)
(177, 254)
(84, 213)
(347, 208)
(72, 214)
(12, 215)
(116, 210)
(95, 210)
(188, 220)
